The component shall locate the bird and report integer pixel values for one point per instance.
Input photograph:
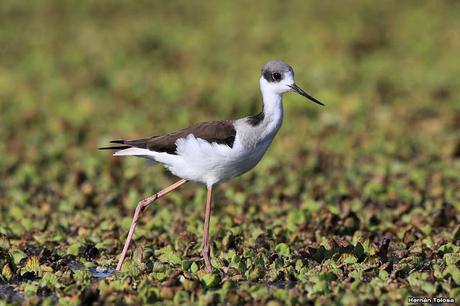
(214, 151)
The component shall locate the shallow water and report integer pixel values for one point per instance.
(8, 294)
(75, 265)
(8, 291)
(101, 272)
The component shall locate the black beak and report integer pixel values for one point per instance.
(301, 92)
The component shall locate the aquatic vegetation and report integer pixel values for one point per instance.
(356, 202)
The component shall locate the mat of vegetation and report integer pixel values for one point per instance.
(355, 203)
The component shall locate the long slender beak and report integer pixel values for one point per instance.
(301, 92)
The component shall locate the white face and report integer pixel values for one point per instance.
(278, 87)
(280, 83)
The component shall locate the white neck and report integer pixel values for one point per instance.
(273, 107)
(262, 131)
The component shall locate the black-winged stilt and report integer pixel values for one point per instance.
(215, 151)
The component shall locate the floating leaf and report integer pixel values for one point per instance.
(49, 279)
(348, 258)
(7, 273)
(283, 249)
(454, 272)
(167, 255)
(17, 256)
(211, 280)
(383, 275)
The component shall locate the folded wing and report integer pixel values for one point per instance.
(221, 132)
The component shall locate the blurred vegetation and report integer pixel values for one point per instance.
(355, 203)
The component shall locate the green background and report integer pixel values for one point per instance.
(356, 202)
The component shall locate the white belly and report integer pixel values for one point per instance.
(200, 161)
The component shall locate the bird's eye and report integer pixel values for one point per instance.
(277, 76)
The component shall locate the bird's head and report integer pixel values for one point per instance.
(278, 77)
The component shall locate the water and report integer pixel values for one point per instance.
(101, 272)
(8, 294)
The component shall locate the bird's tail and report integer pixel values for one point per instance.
(125, 148)
(116, 147)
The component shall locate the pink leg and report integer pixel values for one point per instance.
(205, 246)
(140, 207)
